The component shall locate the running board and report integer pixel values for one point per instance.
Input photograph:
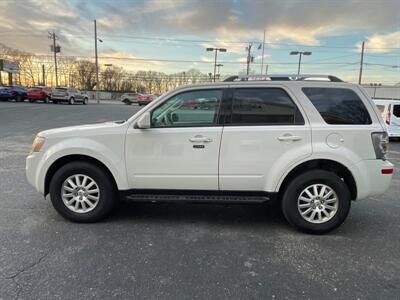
(201, 197)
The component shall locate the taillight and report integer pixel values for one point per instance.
(380, 140)
(65, 94)
(388, 117)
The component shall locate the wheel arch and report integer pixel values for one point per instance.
(71, 158)
(324, 164)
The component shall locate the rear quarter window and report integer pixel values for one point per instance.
(381, 108)
(338, 105)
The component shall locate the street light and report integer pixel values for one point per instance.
(215, 58)
(300, 53)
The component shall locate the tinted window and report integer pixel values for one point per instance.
(194, 108)
(264, 106)
(396, 110)
(338, 106)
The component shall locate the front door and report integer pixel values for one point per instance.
(265, 133)
(180, 150)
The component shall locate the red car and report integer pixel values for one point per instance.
(144, 99)
(39, 93)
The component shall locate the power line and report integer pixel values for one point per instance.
(113, 36)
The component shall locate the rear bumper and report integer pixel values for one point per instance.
(59, 98)
(369, 178)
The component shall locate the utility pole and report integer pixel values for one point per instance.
(43, 76)
(262, 57)
(55, 48)
(361, 63)
(249, 58)
(218, 66)
(97, 62)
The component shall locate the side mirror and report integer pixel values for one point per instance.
(144, 121)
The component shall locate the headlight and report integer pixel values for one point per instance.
(38, 143)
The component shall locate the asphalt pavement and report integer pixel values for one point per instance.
(180, 251)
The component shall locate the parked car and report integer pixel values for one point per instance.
(390, 110)
(129, 98)
(313, 146)
(69, 95)
(144, 99)
(4, 93)
(39, 93)
(18, 93)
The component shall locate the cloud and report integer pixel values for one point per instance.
(382, 43)
(130, 62)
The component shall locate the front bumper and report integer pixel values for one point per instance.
(32, 170)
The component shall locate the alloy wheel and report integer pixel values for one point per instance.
(318, 203)
(80, 193)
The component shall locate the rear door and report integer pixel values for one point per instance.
(265, 133)
(394, 129)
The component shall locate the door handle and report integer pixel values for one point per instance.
(200, 138)
(293, 138)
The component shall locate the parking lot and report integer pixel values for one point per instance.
(171, 251)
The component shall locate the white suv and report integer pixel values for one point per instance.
(312, 145)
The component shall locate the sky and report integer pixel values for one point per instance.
(172, 35)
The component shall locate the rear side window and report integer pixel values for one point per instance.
(338, 105)
(396, 110)
(264, 106)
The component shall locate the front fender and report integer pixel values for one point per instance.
(111, 156)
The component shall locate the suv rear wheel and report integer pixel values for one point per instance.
(317, 201)
(71, 101)
(82, 192)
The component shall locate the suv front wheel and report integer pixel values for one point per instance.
(316, 201)
(82, 192)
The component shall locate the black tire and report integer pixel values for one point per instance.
(108, 195)
(18, 98)
(85, 101)
(31, 100)
(297, 185)
(71, 101)
(126, 101)
(55, 102)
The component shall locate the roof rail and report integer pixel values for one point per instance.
(281, 77)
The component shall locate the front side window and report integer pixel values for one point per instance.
(264, 106)
(338, 105)
(187, 109)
